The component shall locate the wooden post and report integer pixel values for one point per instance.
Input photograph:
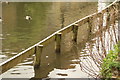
(107, 19)
(38, 55)
(101, 21)
(58, 42)
(75, 32)
(90, 27)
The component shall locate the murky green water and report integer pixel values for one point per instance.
(19, 33)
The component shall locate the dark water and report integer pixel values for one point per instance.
(19, 33)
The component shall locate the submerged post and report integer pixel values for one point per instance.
(75, 32)
(38, 55)
(58, 42)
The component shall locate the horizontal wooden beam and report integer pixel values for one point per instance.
(16, 59)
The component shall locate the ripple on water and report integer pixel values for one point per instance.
(1, 38)
(3, 56)
(1, 34)
(23, 71)
(14, 53)
(27, 63)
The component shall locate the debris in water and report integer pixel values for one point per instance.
(1, 19)
(46, 56)
(28, 17)
(48, 64)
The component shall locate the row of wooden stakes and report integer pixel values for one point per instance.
(58, 38)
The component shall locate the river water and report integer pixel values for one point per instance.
(18, 33)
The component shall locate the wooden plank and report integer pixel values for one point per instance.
(66, 30)
(16, 59)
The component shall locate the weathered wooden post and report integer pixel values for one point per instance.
(58, 42)
(38, 55)
(75, 32)
(90, 27)
(107, 19)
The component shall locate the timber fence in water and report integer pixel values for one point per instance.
(102, 30)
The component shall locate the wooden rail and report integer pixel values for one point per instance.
(53, 37)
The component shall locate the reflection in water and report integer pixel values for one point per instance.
(19, 34)
(102, 5)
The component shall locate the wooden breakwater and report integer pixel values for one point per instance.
(57, 36)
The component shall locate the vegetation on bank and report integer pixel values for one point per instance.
(110, 65)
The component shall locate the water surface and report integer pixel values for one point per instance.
(47, 17)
